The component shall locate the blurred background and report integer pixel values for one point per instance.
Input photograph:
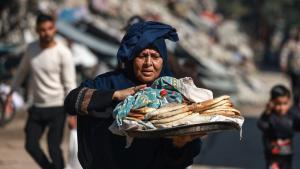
(230, 47)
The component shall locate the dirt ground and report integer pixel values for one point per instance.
(14, 156)
(12, 151)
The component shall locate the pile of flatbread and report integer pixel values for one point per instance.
(175, 114)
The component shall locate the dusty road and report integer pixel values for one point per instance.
(218, 150)
(12, 151)
(14, 156)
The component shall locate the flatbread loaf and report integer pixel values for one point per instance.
(135, 115)
(183, 121)
(171, 119)
(216, 110)
(224, 113)
(165, 109)
(143, 110)
(223, 100)
(170, 114)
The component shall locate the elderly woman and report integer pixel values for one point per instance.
(143, 58)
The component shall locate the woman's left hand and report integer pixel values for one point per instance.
(72, 122)
(180, 141)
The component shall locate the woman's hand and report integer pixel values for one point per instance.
(180, 141)
(72, 122)
(122, 94)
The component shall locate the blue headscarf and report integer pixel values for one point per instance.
(146, 34)
(138, 37)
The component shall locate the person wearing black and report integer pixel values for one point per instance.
(143, 58)
(278, 123)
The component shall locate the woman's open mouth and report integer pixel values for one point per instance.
(147, 72)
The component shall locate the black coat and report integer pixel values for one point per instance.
(100, 149)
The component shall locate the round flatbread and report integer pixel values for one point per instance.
(170, 114)
(201, 107)
(184, 121)
(143, 110)
(224, 113)
(134, 115)
(216, 110)
(167, 108)
(214, 101)
(171, 119)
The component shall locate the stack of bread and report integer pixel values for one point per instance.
(175, 114)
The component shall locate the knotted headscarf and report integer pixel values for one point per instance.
(144, 34)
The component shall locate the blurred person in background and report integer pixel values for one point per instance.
(85, 61)
(52, 75)
(290, 63)
(278, 123)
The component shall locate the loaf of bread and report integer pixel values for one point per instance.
(165, 109)
(175, 114)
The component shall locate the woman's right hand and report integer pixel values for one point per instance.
(72, 122)
(122, 94)
(180, 141)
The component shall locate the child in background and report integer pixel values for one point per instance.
(278, 124)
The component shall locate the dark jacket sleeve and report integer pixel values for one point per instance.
(180, 158)
(87, 101)
(296, 118)
(263, 122)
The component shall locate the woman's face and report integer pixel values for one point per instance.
(147, 65)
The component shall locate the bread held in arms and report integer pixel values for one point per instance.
(171, 103)
(175, 114)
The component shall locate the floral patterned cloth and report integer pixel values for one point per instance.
(150, 97)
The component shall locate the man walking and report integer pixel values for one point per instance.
(52, 76)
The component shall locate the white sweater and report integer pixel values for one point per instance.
(52, 73)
